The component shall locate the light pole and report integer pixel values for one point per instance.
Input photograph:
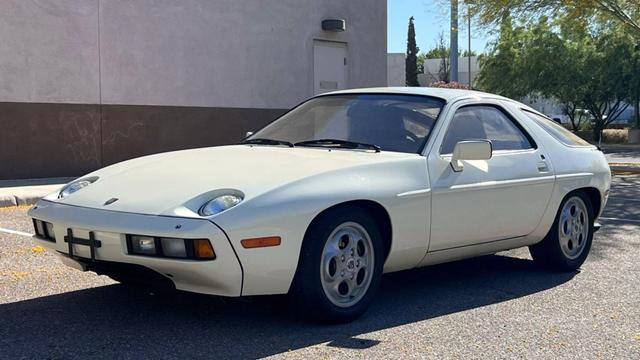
(453, 51)
(633, 134)
(469, 49)
(637, 83)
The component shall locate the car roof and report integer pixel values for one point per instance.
(446, 94)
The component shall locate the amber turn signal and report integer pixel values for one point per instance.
(203, 250)
(261, 242)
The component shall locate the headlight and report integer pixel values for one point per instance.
(75, 186)
(220, 204)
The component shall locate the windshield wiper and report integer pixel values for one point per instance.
(262, 141)
(338, 143)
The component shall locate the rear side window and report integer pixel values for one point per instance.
(479, 122)
(556, 130)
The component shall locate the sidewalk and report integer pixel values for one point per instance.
(27, 192)
(623, 159)
(622, 154)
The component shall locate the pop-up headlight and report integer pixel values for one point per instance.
(75, 186)
(220, 204)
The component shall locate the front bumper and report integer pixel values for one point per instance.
(222, 276)
(123, 272)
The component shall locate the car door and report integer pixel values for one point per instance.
(500, 198)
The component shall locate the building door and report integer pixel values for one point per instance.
(329, 66)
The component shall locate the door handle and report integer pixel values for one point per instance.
(542, 166)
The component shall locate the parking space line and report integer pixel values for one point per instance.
(634, 221)
(15, 232)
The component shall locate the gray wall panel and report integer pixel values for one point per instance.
(214, 53)
(231, 53)
(49, 51)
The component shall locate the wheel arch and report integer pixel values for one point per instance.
(374, 209)
(594, 197)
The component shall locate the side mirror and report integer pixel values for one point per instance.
(247, 134)
(470, 150)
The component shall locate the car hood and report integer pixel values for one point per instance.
(178, 183)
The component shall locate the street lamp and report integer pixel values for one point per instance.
(633, 135)
(469, 49)
(453, 48)
(637, 83)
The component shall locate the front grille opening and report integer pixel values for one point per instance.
(44, 230)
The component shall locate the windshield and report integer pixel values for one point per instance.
(399, 123)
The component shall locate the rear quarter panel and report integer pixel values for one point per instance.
(575, 167)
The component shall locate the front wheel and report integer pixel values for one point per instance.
(567, 245)
(340, 266)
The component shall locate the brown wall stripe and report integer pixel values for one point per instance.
(51, 140)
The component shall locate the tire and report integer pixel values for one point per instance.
(340, 266)
(567, 245)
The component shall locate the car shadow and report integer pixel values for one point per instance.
(117, 321)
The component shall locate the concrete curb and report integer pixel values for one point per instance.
(7, 201)
(624, 170)
(16, 201)
(14, 196)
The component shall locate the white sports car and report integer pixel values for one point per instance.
(344, 187)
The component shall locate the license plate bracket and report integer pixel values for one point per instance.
(92, 243)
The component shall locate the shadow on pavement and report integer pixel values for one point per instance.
(116, 321)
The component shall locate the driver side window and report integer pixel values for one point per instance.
(484, 122)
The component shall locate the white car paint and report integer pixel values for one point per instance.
(436, 215)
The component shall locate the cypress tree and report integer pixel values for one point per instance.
(411, 61)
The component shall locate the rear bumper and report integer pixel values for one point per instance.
(222, 276)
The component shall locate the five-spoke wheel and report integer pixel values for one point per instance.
(340, 265)
(347, 264)
(567, 245)
(574, 227)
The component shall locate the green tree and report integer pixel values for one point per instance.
(468, 53)
(420, 61)
(623, 12)
(580, 67)
(439, 51)
(608, 91)
(502, 67)
(411, 61)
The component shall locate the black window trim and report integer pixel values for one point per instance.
(505, 112)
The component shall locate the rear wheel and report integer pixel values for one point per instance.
(567, 245)
(340, 266)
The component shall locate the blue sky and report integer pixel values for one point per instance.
(430, 18)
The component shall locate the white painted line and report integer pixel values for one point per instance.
(15, 232)
(621, 220)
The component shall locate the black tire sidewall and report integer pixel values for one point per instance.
(552, 241)
(309, 295)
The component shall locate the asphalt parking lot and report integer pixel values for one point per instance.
(497, 306)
